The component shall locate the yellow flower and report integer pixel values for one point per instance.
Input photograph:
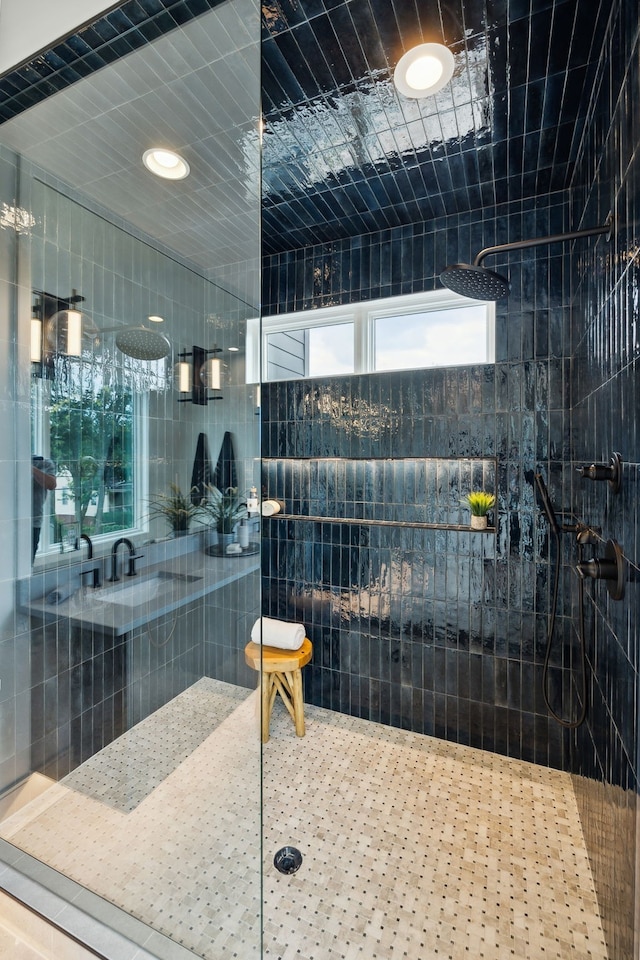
(479, 502)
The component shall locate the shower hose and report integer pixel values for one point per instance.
(569, 724)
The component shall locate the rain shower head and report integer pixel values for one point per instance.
(477, 283)
(143, 344)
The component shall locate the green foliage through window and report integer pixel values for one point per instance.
(92, 445)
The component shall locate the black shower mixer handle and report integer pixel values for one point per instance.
(610, 568)
(597, 471)
(611, 472)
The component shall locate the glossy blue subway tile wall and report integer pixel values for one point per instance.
(563, 392)
(605, 403)
(409, 259)
(440, 631)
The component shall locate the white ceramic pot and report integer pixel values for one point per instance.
(478, 523)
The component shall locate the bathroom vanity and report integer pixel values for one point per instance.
(103, 658)
(171, 579)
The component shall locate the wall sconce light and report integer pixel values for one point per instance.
(64, 330)
(182, 374)
(199, 376)
(36, 332)
(56, 331)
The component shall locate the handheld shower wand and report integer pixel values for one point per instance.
(547, 506)
(584, 535)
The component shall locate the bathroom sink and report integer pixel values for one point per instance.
(136, 591)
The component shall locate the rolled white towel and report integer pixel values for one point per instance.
(278, 633)
(268, 508)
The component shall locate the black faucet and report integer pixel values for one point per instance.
(87, 539)
(95, 571)
(131, 572)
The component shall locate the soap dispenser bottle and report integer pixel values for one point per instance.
(243, 534)
(252, 502)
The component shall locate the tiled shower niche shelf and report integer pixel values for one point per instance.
(417, 492)
(460, 527)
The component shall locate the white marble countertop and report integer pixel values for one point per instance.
(157, 590)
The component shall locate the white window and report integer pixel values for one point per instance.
(96, 436)
(435, 329)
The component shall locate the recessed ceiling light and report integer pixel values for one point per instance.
(155, 319)
(424, 70)
(234, 349)
(165, 163)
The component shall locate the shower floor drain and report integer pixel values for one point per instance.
(287, 860)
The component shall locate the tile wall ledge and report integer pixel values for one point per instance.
(460, 527)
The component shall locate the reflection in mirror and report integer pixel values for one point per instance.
(83, 415)
(118, 614)
(101, 371)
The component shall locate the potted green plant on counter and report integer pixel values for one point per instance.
(176, 508)
(225, 508)
(480, 503)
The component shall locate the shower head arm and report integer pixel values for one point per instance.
(538, 241)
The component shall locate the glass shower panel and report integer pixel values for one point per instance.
(130, 750)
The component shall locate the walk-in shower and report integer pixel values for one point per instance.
(437, 807)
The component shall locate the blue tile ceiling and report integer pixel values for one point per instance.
(128, 27)
(344, 153)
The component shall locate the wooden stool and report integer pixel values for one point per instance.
(281, 673)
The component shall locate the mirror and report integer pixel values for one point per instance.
(122, 272)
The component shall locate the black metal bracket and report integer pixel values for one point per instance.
(199, 392)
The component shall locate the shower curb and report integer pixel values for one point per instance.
(104, 930)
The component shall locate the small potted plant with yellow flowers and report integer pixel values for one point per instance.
(480, 503)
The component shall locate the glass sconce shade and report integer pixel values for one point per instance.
(36, 340)
(74, 333)
(64, 333)
(210, 373)
(182, 377)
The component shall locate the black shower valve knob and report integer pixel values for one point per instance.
(611, 472)
(597, 471)
(610, 568)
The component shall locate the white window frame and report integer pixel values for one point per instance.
(363, 316)
(47, 549)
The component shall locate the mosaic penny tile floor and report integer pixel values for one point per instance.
(413, 847)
